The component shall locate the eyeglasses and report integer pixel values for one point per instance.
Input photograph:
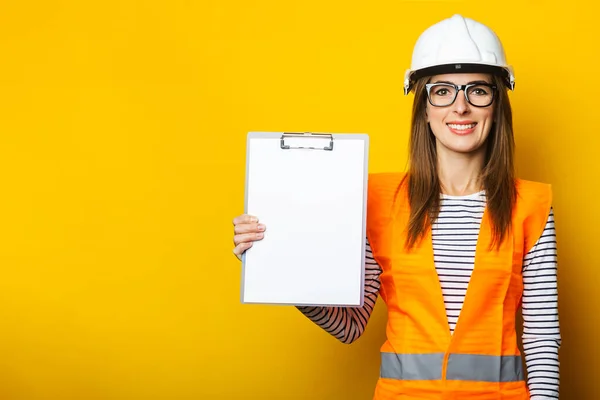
(476, 94)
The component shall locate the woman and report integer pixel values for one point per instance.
(457, 244)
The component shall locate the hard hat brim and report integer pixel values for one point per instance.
(505, 72)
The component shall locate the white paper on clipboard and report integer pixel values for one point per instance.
(310, 190)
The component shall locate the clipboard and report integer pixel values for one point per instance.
(310, 190)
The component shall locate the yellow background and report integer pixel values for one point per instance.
(122, 155)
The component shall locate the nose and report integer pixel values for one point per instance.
(461, 106)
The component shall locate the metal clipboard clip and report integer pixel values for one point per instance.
(307, 135)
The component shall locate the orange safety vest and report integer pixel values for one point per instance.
(420, 358)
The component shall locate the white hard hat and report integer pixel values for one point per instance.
(458, 44)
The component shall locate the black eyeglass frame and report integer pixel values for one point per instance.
(458, 88)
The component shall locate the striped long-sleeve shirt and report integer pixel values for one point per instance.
(454, 236)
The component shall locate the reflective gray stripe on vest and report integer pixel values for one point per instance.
(464, 367)
(412, 366)
(471, 367)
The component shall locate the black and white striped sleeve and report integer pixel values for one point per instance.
(348, 323)
(541, 331)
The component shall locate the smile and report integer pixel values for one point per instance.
(462, 127)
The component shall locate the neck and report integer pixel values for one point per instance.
(459, 174)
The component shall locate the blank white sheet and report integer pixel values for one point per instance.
(313, 203)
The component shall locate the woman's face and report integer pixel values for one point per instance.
(460, 127)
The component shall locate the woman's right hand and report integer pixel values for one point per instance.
(246, 230)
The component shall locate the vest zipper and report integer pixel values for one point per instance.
(445, 365)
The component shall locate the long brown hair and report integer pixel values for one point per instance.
(497, 175)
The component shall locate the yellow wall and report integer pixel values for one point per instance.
(123, 127)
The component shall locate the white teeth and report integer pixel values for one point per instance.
(461, 126)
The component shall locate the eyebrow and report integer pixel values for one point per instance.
(468, 83)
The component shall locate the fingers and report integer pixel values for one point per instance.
(247, 230)
(247, 237)
(247, 224)
(241, 248)
(244, 219)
